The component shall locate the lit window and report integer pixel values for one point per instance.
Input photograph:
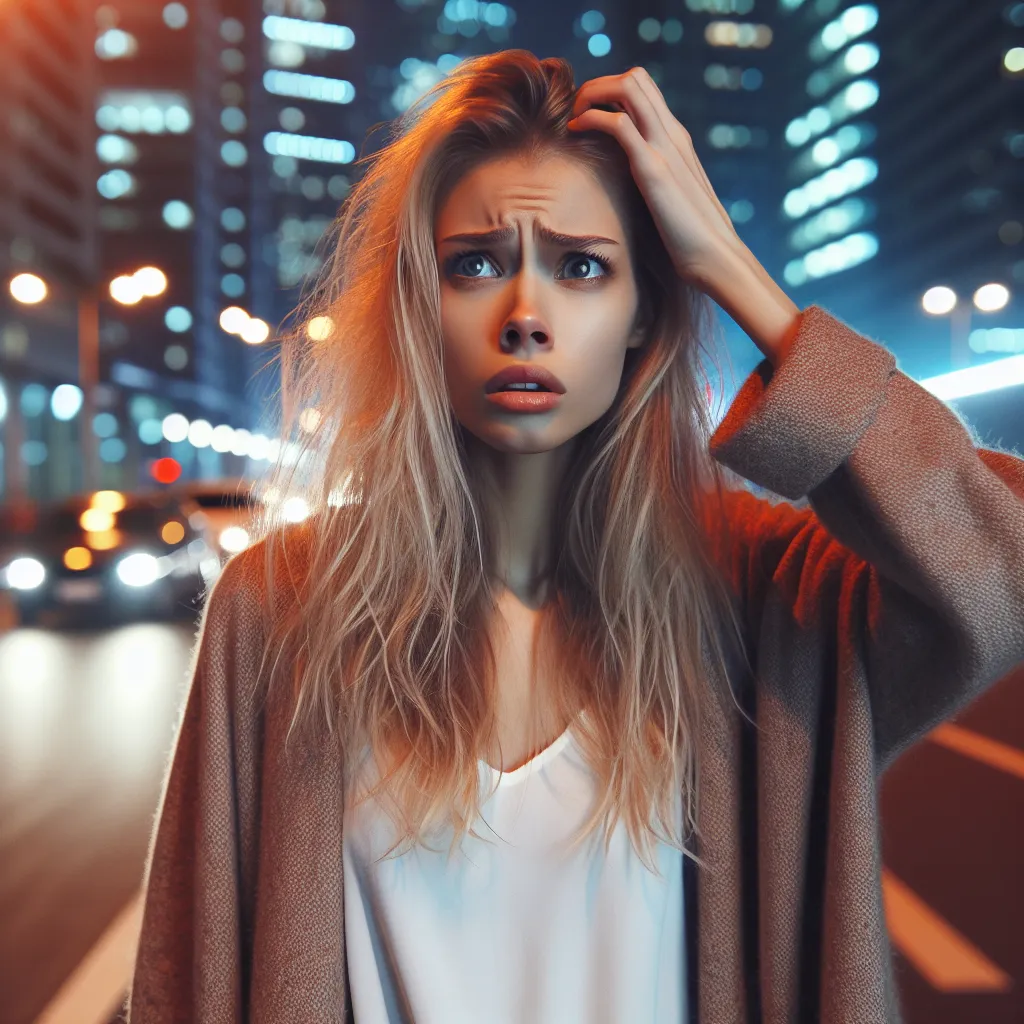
(115, 43)
(833, 184)
(313, 188)
(175, 16)
(115, 184)
(672, 31)
(153, 120)
(232, 61)
(737, 33)
(113, 449)
(309, 87)
(113, 149)
(176, 357)
(232, 285)
(741, 211)
(853, 22)
(131, 110)
(232, 30)
(65, 401)
(232, 219)
(233, 119)
(232, 255)
(234, 153)
(285, 166)
(305, 147)
(649, 29)
(832, 258)
(286, 55)
(292, 119)
(104, 424)
(177, 119)
(751, 79)
(178, 215)
(33, 453)
(178, 319)
(306, 33)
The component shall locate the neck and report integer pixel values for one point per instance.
(520, 500)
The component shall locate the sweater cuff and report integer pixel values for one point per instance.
(791, 426)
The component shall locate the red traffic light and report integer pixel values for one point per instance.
(166, 470)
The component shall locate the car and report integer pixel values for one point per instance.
(104, 556)
(222, 510)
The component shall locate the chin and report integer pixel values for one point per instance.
(520, 438)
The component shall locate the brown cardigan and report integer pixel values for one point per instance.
(883, 607)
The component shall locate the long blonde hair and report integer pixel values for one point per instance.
(384, 639)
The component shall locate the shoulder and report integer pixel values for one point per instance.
(256, 582)
(262, 583)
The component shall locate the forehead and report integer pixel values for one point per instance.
(555, 190)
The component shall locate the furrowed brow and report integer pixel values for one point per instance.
(508, 233)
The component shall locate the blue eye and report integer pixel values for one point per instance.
(472, 265)
(592, 261)
(470, 260)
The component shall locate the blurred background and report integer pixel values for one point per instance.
(167, 174)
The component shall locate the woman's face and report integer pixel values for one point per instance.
(533, 296)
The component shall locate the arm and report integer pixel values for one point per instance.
(191, 958)
(913, 545)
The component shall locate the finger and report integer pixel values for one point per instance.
(625, 91)
(620, 125)
(639, 93)
(679, 136)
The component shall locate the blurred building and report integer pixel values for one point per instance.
(47, 227)
(864, 154)
(903, 164)
(175, 192)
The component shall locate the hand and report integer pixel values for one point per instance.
(698, 234)
(695, 228)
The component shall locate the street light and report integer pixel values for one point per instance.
(146, 282)
(990, 298)
(942, 301)
(127, 290)
(251, 329)
(28, 289)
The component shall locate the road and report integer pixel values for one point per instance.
(86, 725)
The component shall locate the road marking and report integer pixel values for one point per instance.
(997, 755)
(95, 990)
(946, 959)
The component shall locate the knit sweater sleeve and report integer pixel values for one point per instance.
(910, 548)
(191, 957)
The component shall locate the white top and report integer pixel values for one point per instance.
(513, 931)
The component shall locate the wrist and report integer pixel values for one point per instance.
(746, 291)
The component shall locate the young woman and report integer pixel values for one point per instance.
(533, 720)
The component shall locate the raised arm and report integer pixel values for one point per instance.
(911, 553)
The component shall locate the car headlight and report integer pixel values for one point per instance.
(25, 573)
(233, 539)
(138, 570)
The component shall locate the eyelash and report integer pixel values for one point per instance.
(589, 254)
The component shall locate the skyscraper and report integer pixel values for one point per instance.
(47, 226)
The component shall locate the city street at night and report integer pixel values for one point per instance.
(466, 314)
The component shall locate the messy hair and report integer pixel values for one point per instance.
(384, 640)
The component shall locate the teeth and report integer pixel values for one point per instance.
(522, 387)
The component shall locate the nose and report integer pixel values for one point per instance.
(521, 328)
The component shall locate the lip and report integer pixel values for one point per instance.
(524, 373)
(525, 401)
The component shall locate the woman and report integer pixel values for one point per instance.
(516, 617)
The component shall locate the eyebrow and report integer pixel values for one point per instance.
(508, 233)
